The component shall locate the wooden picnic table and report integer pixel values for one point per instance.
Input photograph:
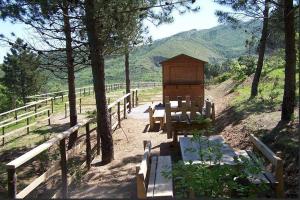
(189, 150)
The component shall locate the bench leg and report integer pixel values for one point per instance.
(161, 124)
(175, 134)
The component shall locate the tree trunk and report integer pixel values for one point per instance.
(262, 48)
(288, 103)
(127, 77)
(71, 76)
(97, 62)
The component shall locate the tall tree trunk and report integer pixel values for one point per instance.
(262, 48)
(127, 77)
(288, 103)
(97, 62)
(71, 76)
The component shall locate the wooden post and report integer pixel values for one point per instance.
(12, 183)
(35, 110)
(52, 105)
(119, 114)
(66, 113)
(168, 120)
(136, 98)
(125, 109)
(46, 99)
(110, 118)
(3, 132)
(279, 176)
(79, 105)
(49, 122)
(207, 108)
(27, 123)
(88, 146)
(80, 92)
(132, 99)
(213, 112)
(64, 168)
(129, 98)
(62, 97)
(16, 115)
(83, 91)
(151, 119)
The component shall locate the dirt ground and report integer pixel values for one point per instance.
(117, 179)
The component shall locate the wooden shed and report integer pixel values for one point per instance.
(183, 76)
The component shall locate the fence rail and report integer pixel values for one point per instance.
(24, 117)
(60, 140)
(54, 96)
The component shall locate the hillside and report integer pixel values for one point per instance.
(210, 44)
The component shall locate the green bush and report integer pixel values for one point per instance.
(223, 77)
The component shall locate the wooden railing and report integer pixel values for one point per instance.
(9, 129)
(114, 109)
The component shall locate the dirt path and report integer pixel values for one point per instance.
(117, 179)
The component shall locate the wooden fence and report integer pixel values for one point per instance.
(114, 109)
(9, 128)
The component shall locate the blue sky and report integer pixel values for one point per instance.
(203, 19)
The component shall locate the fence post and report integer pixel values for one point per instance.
(129, 98)
(35, 110)
(136, 98)
(88, 145)
(12, 182)
(64, 168)
(47, 99)
(16, 115)
(49, 122)
(3, 132)
(79, 105)
(125, 108)
(27, 123)
(132, 101)
(66, 114)
(62, 97)
(52, 105)
(110, 118)
(80, 92)
(119, 114)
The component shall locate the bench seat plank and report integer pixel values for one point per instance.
(255, 178)
(163, 185)
(159, 113)
(151, 184)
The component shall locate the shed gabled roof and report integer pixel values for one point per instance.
(182, 56)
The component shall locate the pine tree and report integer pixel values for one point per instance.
(22, 76)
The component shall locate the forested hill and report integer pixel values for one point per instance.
(210, 44)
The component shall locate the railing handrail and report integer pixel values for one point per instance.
(44, 146)
(23, 107)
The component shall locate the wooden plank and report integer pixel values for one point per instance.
(145, 161)
(34, 184)
(264, 149)
(13, 122)
(151, 184)
(159, 113)
(42, 147)
(254, 178)
(163, 185)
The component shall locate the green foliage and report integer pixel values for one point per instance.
(225, 76)
(211, 178)
(4, 100)
(21, 74)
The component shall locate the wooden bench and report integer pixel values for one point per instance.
(149, 176)
(273, 177)
(156, 115)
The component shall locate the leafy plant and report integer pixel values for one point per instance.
(212, 178)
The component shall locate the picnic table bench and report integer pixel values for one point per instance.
(272, 175)
(156, 114)
(149, 175)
